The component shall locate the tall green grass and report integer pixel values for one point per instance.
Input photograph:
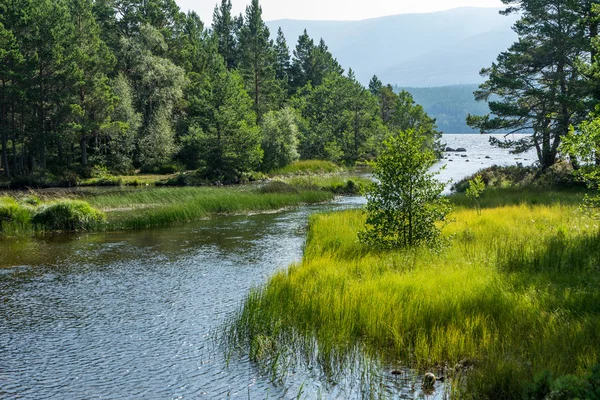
(166, 206)
(304, 167)
(15, 218)
(29, 216)
(148, 207)
(515, 293)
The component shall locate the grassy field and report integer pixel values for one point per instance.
(515, 293)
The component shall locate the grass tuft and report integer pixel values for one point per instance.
(67, 215)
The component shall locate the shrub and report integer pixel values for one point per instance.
(277, 187)
(308, 167)
(11, 213)
(67, 215)
(560, 175)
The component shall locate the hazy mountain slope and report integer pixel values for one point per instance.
(450, 105)
(390, 45)
(455, 64)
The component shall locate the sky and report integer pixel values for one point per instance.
(334, 9)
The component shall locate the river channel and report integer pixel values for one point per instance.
(134, 315)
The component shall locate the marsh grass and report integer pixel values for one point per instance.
(15, 217)
(68, 216)
(515, 293)
(166, 206)
(146, 207)
(305, 167)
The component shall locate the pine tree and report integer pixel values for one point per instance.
(375, 85)
(537, 81)
(92, 61)
(283, 62)
(222, 124)
(224, 29)
(257, 62)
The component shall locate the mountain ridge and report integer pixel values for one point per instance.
(396, 47)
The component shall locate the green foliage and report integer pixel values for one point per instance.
(223, 124)
(139, 85)
(224, 30)
(476, 187)
(560, 175)
(279, 139)
(405, 206)
(311, 63)
(406, 114)
(307, 167)
(525, 78)
(565, 387)
(67, 215)
(585, 146)
(339, 121)
(13, 216)
(257, 62)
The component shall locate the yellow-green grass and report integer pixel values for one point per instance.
(515, 292)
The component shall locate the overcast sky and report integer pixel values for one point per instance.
(334, 9)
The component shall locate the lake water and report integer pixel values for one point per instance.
(460, 165)
(134, 314)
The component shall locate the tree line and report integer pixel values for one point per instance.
(131, 85)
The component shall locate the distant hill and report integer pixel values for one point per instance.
(432, 49)
(450, 105)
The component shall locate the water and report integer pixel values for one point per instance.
(133, 314)
(478, 148)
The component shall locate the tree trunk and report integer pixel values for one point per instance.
(3, 128)
(83, 146)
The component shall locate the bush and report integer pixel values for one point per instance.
(178, 180)
(11, 213)
(350, 187)
(565, 387)
(308, 167)
(277, 187)
(560, 175)
(67, 215)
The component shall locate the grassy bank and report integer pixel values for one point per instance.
(514, 294)
(22, 213)
(166, 206)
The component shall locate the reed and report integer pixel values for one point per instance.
(166, 206)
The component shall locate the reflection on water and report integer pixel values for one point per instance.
(132, 314)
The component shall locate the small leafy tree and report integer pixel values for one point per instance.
(585, 145)
(476, 187)
(406, 204)
(279, 139)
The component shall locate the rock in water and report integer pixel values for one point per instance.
(429, 381)
(450, 149)
(461, 150)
